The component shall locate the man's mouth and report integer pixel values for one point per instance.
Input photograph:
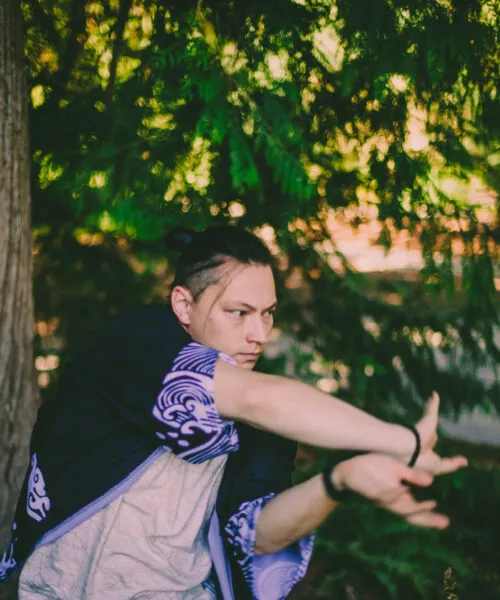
(249, 355)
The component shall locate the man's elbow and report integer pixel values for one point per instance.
(269, 547)
(270, 544)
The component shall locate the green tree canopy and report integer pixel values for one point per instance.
(286, 117)
(148, 115)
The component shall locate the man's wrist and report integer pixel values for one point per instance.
(337, 476)
(334, 482)
(418, 445)
(405, 442)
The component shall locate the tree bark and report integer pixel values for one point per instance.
(18, 390)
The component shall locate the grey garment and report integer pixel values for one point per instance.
(149, 544)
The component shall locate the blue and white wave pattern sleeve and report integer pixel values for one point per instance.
(191, 427)
(269, 576)
(37, 502)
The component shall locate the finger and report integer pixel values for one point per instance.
(427, 425)
(420, 507)
(429, 519)
(410, 507)
(407, 505)
(449, 465)
(417, 477)
(431, 410)
(392, 496)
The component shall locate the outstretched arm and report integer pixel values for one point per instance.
(299, 510)
(303, 413)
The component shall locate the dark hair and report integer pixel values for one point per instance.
(203, 252)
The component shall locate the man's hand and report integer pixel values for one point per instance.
(436, 465)
(427, 429)
(384, 480)
(428, 460)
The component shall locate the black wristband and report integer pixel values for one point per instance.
(331, 491)
(416, 453)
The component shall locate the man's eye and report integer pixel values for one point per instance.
(269, 313)
(237, 313)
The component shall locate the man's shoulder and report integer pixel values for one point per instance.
(155, 323)
(155, 315)
(140, 343)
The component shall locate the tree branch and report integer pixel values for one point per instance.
(73, 44)
(43, 19)
(123, 12)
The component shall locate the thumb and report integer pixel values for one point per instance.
(449, 465)
(417, 477)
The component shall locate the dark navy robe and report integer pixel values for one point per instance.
(141, 388)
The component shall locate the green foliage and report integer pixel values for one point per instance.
(363, 552)
(147, 115)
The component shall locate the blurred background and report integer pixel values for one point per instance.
(361, 141)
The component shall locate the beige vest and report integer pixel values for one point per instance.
(148, 544)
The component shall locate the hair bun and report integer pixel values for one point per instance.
(179, 238)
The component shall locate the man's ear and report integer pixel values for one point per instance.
(182, 302)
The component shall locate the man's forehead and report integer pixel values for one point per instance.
(249, 284)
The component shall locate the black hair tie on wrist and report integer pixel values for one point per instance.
(331, 491)
(416, 452)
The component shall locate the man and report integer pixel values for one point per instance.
(128, 458)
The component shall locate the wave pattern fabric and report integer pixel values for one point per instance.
(185, 407)
(269, 577)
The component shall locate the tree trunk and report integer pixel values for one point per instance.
(18, 392)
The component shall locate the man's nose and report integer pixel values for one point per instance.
(258, 330)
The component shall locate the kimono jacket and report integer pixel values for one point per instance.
(142, 388)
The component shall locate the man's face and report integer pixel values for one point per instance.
(235, 315)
